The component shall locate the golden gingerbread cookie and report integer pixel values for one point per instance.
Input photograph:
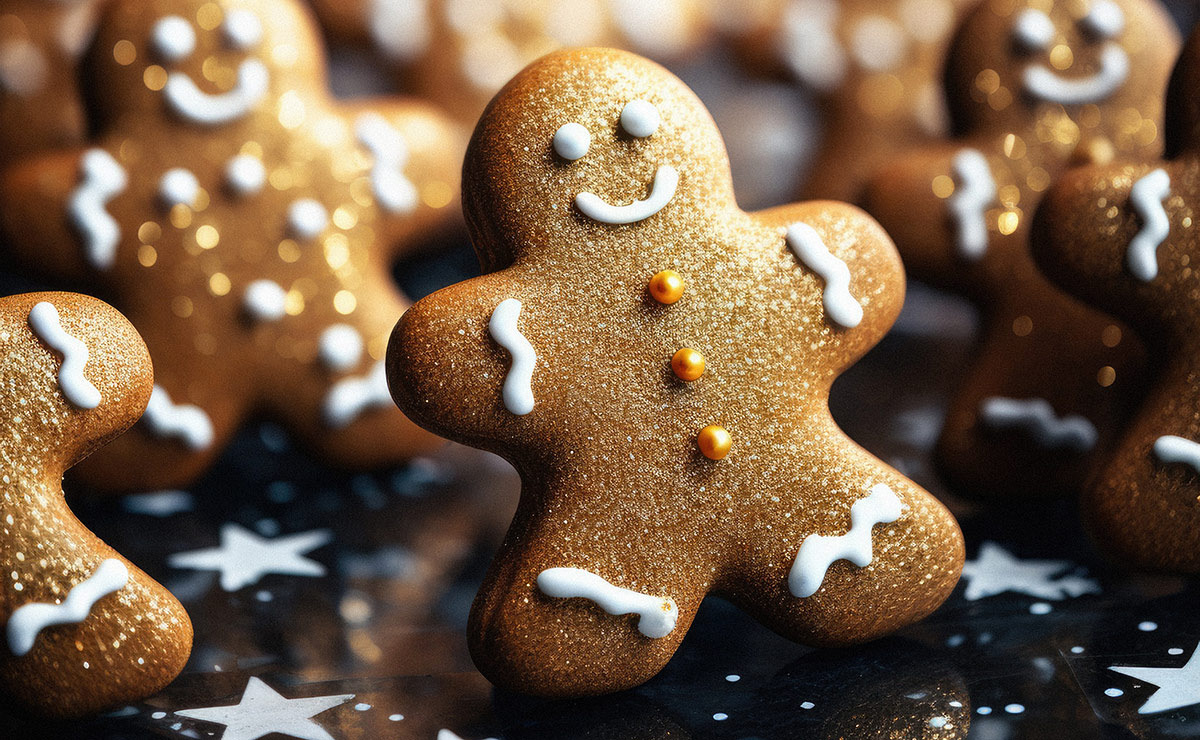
(458, 53)
(1034, 88)
(41, 106)
(246, 223)
(599, 199)
(84, 629)
(1121, 237)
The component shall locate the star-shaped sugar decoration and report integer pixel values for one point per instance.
(244, 557)
(263, 711)
(1177, 687)
(996, 571)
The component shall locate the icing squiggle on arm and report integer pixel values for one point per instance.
(518, 384)
(1036, 416)
(197, 106)
(840, 305)
(1147, 196)
(29, 620)
(43, 320)
(185, 422)
(349, 398)
(818, 552)
(392, 189)
(656, 615)
(975, 191)
(1172, 449)
(103, 179)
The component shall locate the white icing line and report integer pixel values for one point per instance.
(245, 175)
(818, 552)
(198, 106)
(185, 422)
(666, 180)
(43, 319)
(265, 301)
(518, 384)
(102, 179)
(1171, 449)
(393, 191)
(1147, 196)
(840, 305)
(340, 347)
(349, 398)
(29, 620)
(656, 615)
(178, 186)
(1037, 417)
(1045, 84)
(975, 191)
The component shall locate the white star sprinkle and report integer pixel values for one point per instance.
(1177, 687)
(244, 557)
(262, 711)
(996, 571)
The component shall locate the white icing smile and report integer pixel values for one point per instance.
(1035, 32)
(639, 119)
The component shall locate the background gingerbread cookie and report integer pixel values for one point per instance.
(1121, 236)
(1033, 91)
(84, 629)
(658, 371)
(246, 224)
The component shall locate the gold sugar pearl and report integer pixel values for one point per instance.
(687, 364)
(714, 442)
(666, 287)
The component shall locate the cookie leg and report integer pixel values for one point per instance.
(1052, 383)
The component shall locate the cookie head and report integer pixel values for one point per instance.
(581, 147)
(1030, 60)
(207, 63)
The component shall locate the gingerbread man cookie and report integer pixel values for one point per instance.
(84, 629)
(40, 103)
(246, 224)
(1035, 87)
(1122, 236)
(460, 52)
(656, 363)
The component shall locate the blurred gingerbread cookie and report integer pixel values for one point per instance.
(458, 53)
(40, 103)
(246, 223)
(1122, 237)
(656, 363)
(1034, 88)
(84, 629)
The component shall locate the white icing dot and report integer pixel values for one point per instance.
(1105, 20)
(362, 706)
(173, 38)
(178, 187)
(1114, 693)
(571, 141)
(719, 716)
(340, 347)
(158, 715)
(807, 705)
(938, 723)
(1040, 607)
(1148, 626)
(640, 118)
(878, 43)
(245, 174)
(1014, 708)
(307, 218)
(242, 29)
(1033, 29)
(264, 300)
(733, 678)
(1077, 649)
(1175, 651)
(395, 717)
(984, 711)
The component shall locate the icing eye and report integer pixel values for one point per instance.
(639, 118)
(571, 141)
(242, 29)
(173, 38)
(1105, 20)
(1034, 30)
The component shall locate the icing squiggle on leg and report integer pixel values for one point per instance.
(103, 179)
(29, 620)
(656, 615)
(394, 191)
(975, 191)
(1036, 416)
(186, 422)
(43, 319)
(840, 305)
(518, 384)
(1147, 196)
(349, 398)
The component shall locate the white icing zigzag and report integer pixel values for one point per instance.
(840, 305)
(1147, 196)
(102, 180)
(656, 615)
(975, 191)
(350, 397)
(197, 106)
(394, 192)
(818, 552)
(29, 620)
(43, 320)
(183, 421)
(518, 384)
(1172, 449)
(1036, 416)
